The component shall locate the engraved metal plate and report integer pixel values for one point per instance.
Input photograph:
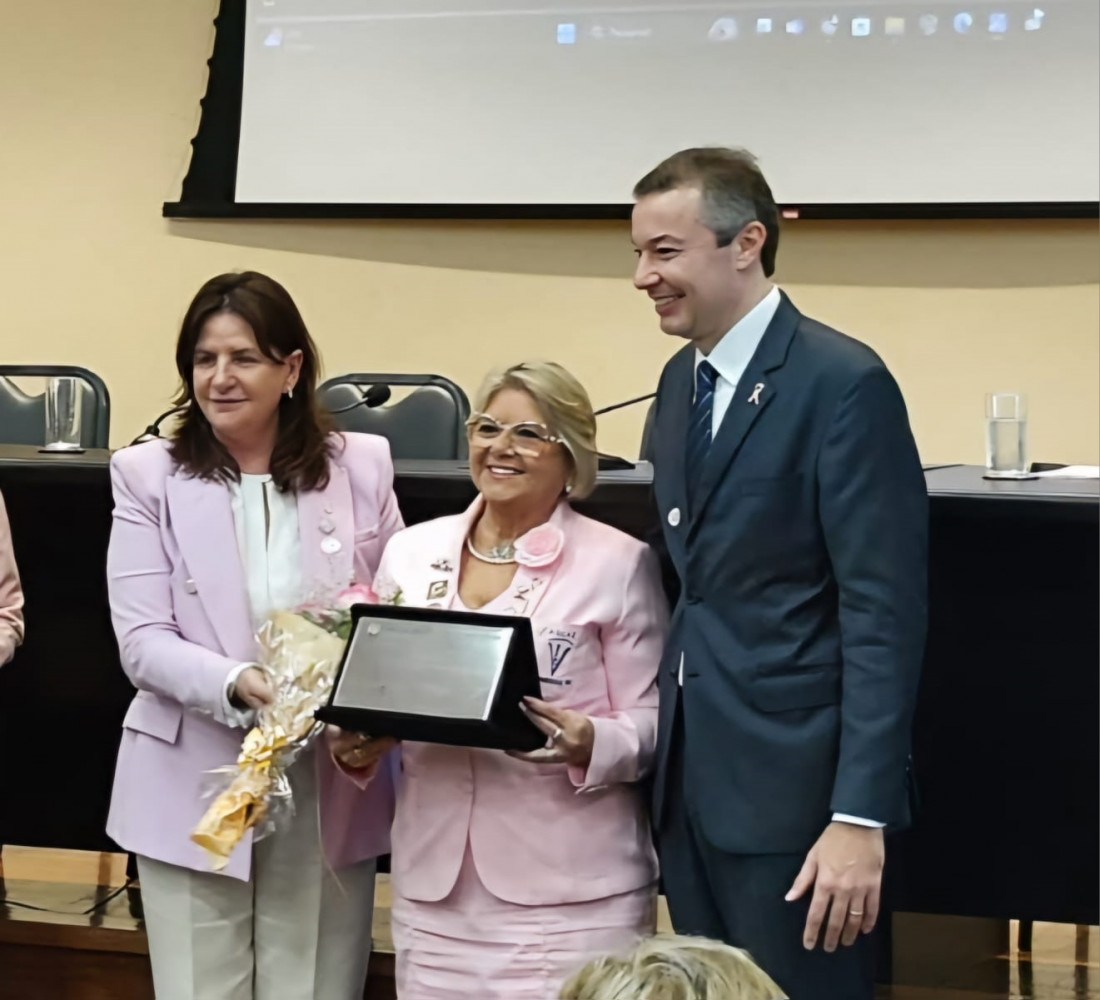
(428, 668)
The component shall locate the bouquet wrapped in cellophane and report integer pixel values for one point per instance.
(300, 652)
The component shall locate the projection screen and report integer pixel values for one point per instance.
(509, 102)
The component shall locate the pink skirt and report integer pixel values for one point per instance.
(472, 944)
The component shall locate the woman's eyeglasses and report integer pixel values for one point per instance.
(528, 437)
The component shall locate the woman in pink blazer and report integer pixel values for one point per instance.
(511, 871)
(254, 505)
(11, 593)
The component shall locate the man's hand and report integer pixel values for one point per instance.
(844, 868)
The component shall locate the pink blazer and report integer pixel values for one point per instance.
(11, 594)
(180, 609)
(541, 833)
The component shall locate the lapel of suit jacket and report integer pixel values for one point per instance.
(671, 441)
(202, 522)
(530, 583)
(753, 395)
(442, 560)
(326, 529)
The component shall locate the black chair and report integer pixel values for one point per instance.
(23, 416)
(428, 423)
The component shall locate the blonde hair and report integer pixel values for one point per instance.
(669, 967)
(565, 407)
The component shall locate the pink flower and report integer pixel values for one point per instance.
(541, 546)
(357, 593)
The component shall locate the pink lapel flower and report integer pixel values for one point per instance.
(541, 546)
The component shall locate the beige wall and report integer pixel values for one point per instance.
(98, 103)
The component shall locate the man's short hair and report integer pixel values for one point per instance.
(734, 192)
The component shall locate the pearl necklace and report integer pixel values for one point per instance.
(499, 555)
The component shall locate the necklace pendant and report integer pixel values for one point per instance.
(500, 555)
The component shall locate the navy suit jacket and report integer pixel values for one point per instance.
(803, 591)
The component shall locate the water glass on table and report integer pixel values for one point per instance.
(64, 409)
(1006, 453)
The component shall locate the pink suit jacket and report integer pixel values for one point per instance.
(180, 608)
(541, 833)
(11, 594)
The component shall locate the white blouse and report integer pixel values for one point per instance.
(270, 547)
(268, 539)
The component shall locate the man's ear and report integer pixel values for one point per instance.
(749, 245)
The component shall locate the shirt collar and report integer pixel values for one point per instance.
(732, 354)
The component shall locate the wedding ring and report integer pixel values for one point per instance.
(556, 735)
(855, 913)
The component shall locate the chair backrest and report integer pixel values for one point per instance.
(428, 423)
(23, 416)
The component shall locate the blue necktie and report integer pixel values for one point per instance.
(698, 436)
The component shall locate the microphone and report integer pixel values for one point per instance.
(376, 395)
(619, 406)
(152, 432)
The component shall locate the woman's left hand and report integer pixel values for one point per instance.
(355, 750)
(569, 735)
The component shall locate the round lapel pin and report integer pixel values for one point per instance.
(674, 517)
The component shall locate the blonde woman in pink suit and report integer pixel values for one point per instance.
(11, 593)
(255, 505)
(510, 871)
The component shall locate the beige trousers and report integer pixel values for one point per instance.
(296, 931)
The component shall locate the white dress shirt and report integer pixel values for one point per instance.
(266, 523)
(732, 354)
(730, 357)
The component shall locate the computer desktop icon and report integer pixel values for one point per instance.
(724, 29)
(567, 34)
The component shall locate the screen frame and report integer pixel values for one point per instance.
(208, 190)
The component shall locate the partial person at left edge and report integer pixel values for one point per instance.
(254, 505)
(11, 593)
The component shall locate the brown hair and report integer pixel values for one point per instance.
(734, 192)
(303, 444)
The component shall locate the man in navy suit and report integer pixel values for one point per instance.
(795, 514)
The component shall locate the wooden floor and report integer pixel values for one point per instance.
(70, 929)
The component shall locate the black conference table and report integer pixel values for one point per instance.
(1006, 733)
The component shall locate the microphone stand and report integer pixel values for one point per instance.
(153, 430)
(609, 463)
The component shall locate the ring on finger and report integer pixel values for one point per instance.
(556, 735)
